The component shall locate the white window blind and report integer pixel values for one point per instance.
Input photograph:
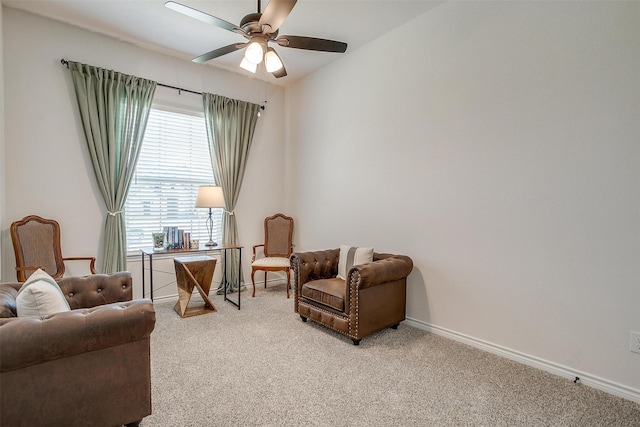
(174, 161)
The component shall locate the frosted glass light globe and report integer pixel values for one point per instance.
(272, 61)
(248, 65)
(254, 52)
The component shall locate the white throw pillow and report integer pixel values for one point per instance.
(40, 296)
(350, 256)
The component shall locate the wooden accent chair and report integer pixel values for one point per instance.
(36, 244)
(278, 247)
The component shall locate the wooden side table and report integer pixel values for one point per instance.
(225, 249)
(194, 272)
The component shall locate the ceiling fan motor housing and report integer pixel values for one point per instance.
(251, 23)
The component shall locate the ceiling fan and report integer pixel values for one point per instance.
(260, 29)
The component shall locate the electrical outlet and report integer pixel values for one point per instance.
(634, 345)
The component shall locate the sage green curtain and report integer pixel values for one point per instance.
(230, 127)
(114, 109)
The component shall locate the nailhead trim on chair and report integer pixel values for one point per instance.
(313, 307)
(354, 286)
(296, 278)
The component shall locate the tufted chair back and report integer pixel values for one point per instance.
(80, 292)
(97, 289)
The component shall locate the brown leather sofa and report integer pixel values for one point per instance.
(372, 298)
(86, 367)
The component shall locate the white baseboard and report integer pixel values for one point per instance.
(165, 298)
(596, 382)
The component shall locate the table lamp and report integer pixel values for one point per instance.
(210, 196)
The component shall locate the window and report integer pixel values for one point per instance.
(174, 161)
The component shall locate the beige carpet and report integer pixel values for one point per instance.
(261, 366)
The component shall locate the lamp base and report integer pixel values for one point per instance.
(211, 243)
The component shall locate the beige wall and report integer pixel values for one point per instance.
(48, 171)
(496, 143)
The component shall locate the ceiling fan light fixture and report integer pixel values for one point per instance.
(260, 28)
(254, 52)
(249, 66)
(272, 61)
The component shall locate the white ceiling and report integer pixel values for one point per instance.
(148, 23)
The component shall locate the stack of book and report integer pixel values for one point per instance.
(177, 238)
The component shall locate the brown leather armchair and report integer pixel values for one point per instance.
(87, 366)
(372, 298)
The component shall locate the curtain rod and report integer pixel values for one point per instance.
(179, 89)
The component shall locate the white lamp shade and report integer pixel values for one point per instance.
(254, 52)
(210, 196)
(272, 61)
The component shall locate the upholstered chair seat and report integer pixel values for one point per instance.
(272, 262)
(327, 292)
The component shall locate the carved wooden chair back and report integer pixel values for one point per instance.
(36, 244)
(278, 236)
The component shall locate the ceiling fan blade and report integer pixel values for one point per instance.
(204, 17)
(275, 14)
(219, 52)
(311, 43)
